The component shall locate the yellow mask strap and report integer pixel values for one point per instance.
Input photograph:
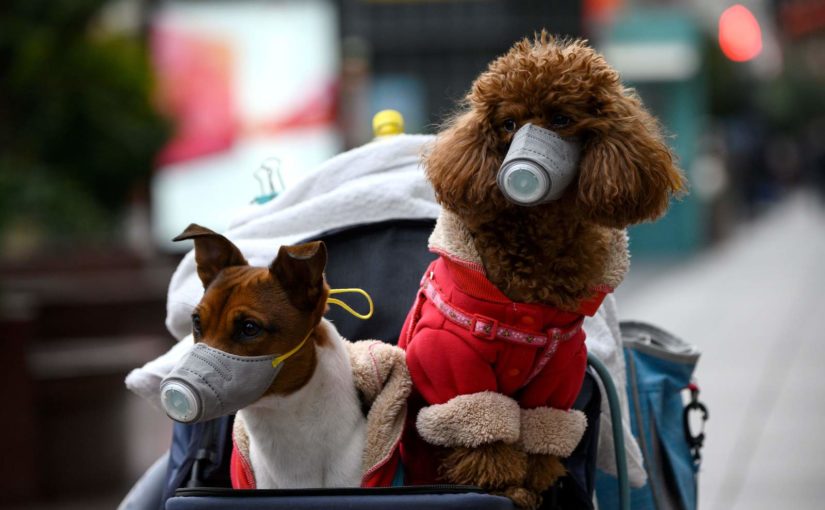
(280, 359)
(346, 307)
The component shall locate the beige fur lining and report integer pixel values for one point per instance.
(380, 373)
(240, 437)
(451, 237)
(551, 431)
(619, 261)
(470, 420)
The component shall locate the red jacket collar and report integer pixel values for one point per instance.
(475, 283)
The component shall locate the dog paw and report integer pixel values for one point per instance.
(522, 498)
(493, 466)
(543, 471)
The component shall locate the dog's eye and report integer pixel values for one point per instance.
(509, 125)
(196, 325)
(560, 120)
(249, 329)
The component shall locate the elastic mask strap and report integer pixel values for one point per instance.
(280, 359)
(334, 301)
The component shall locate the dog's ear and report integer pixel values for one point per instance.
(627, 173)
(213, 252)
(462, 163)
(300, 269)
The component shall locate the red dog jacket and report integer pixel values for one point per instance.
(464, 337)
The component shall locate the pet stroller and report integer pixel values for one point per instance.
(375, 211)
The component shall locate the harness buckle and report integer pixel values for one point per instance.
(484, 327)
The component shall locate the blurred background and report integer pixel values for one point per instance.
(122, 121)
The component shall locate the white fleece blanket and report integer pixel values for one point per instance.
(379, 181)
(604, 340)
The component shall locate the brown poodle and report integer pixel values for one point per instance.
(555, 253)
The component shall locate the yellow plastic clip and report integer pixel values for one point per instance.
(346, 307)
(387, 123)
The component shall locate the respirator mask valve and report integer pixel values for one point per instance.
(538, 167)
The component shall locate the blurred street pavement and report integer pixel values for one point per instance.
(755, 306)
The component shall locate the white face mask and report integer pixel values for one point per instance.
(538, 167)
(207, 383)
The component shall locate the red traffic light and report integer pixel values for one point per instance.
(739, 34)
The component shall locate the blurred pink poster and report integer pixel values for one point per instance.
(242, 81)
(194, 88)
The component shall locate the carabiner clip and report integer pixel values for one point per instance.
(695, 441)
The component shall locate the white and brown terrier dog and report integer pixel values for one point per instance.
(307, 428)
(494, 342)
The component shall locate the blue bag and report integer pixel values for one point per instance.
(659, 369)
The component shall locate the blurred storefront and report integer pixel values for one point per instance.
(659, 53)
(299, 81)
(421, 57)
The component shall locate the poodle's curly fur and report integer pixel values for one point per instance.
(503, 469)
(553, 253)
(494, 466)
